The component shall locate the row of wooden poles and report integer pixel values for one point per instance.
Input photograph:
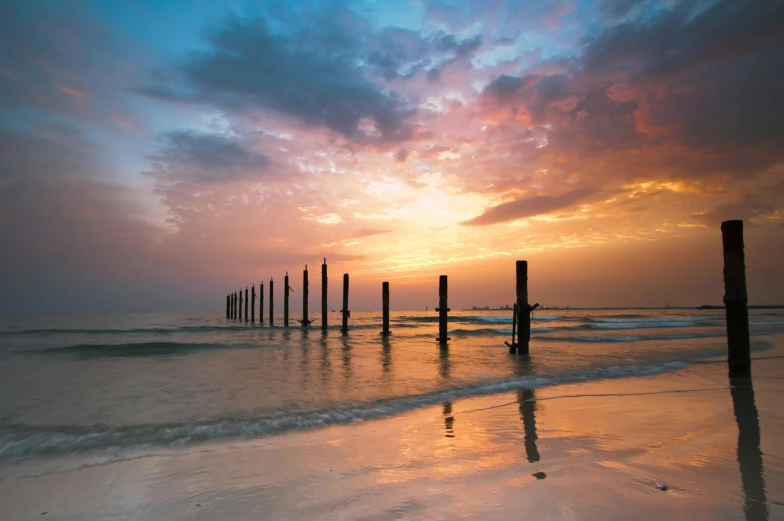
(735, 301)
(235, 302)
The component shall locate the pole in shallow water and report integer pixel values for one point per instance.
(253, 303)
(346, 313)
(736, 299)
(272, 310)
(228, 306)
(246, 303)
(304, 320)
(286, 292)
(442, 310)
(234, 307)
(261, 303)
(524, 310)
(241, 304)
(385, 308)
(324, 295)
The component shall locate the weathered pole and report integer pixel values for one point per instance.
(234, 307)
(261, 303)
(286, 300)
(228, 306)
(272, 308)
(346, 313)
(523, 309)
(385, 308)
(241, 304)
(304, 321)
(253, 303)
(246, 303)
(324, 295)
(442, 310)
(736, 299)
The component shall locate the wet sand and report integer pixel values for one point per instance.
(681, 445)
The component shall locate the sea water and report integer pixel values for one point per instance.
(84, 386)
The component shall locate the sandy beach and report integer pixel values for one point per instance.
(679, 445)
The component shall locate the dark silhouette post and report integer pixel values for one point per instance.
(324, 295)
(752, 473)
(736, 299)
(442, 310)
(253, 303)
(346, 313)
(241, 304)
(234, 307)
(304, 321)
(286, 292)
(385, 307)
(261, 303)
(228, 306)
(272, 310)
(246, 303)
(523, 309)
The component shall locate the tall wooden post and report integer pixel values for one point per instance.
(261, 303)
(241, 304)
(385, 308)
(324, 295)
(305, 322)
(736, 299)
(272, 308)
(234, 307)
(228, 306)
(286, 292)
(523, 309)
(442, 310)
(253, 303)
(345, 311)
(246, 303)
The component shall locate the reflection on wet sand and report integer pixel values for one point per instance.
(527, 401)
(346, 358)
(449, 420)
(752, 473)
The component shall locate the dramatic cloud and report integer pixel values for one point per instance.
(528, 207)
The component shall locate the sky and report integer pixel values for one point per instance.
(156, 155)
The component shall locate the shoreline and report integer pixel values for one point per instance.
(607, 449)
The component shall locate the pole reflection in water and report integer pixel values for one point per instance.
(386, 356)
(527, 401)
(443, 362)
(346, 358)
(752, 473)
(449, 420)
(326, 363)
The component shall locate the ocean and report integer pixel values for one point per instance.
(108, 387)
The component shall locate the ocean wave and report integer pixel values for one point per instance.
(642, 318)
(137, 349)
(26, 441)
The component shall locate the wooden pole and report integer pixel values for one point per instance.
(234, 307)
(324, 295)
(736, 299)
(523, 309)
(304, 321)
(345, 311)
(385, 307)
(272, 310)
(241, 304)
(246, 303)
(228, 306)
(253, 303)
(286, 300)
(261, 303)
(442, 310)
